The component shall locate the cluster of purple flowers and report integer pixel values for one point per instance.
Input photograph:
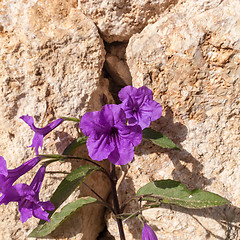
(27, 196)
(112, 134)
(115, 130)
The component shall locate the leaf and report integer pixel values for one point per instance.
(173, 192)
(70, 183)
(66, 187)
(159, 139)
(58, 218)
(75, 144)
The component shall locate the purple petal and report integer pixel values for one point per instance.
(15, 193)
(146, 92)
(122, 154)
(138, 104)
(37, 142)
(37, 181)
(132, 134)
(39, 213)
(112, 115)
(148, 233)
(127, 91)
(154, 108)
(45, 130)
(40, 133)
(29, 120)
(99, 149)
(14, 174)
(3, 167)
(90, 125)
(47, 205)
(22, 169)
(26, 213)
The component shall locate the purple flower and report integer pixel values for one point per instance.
(8, 177)
(40, 133)
(148, 233)
(139, 106)
(109, 135)
(27, 197)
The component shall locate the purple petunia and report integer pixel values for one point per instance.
(148, 233)
(109, 135)
(40, 133)
(8, 177)
(27, 197)
(139, 106)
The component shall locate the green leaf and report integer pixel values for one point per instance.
(159, 139)
(75, 144)
(173, 192)
(70, 183)
(59, 217)
(67, 186)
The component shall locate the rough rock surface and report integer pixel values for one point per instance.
(116, 65)
(190, 58)
(118, 20)
(51, 62)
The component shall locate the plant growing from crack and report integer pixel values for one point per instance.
(112, 134)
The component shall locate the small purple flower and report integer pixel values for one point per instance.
(40, 133)
(27, 197)
(8, 177)
(139, 106)
(148, 233)
(109, 135)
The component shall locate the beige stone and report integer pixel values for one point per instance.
(51, 62)
(118, 20)
(116, 64)
(190, 59)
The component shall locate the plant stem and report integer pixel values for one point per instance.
(102, 200)
(115, 201)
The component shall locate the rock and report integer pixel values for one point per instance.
(50, 66)
(190, 58)
(116, 64)
(118, 20)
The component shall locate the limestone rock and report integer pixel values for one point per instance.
(118, 20)
(116, 64)
(50, 66)
(190, 58)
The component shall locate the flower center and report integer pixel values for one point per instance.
(113, 131)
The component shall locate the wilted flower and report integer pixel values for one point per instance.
(139, 106)
(148, 233)
(109, 135)
(8, 177)
(28, 198)
(40, 133)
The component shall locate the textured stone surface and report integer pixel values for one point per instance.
(118, 20)
(190, 59)
(116, 64)
(51, 61)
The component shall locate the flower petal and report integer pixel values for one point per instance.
(45, 130)
(39, 213)
(47, 205)
(122, 154)
(148, 233)
(99, 149)
(40, 133)
(127, 91)
(90, 125)
(26, 213)
(3, 167)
